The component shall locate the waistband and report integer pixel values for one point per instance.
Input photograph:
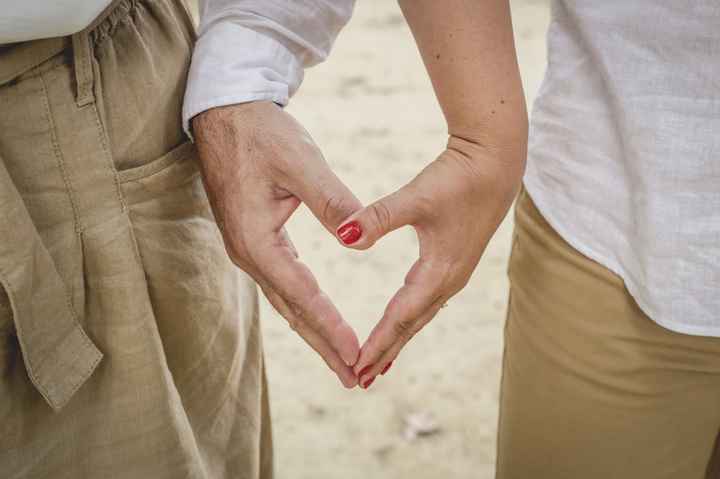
(17, 59)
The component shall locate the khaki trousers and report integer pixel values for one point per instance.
(129, 343)
(591, 387)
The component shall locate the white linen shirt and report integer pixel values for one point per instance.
(624, 150)
(252, 50)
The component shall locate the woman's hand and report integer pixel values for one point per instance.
(455, 205)
(258, 165)
(458, 201)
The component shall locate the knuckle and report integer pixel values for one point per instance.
(335, 210)
(295, 318)
(296, 310)
(381, 215)
(403, 328)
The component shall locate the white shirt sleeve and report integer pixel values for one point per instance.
(251, 50)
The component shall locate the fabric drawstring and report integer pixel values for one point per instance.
(83, 57)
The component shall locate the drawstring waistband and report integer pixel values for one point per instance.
(18, 59)
(82, 57)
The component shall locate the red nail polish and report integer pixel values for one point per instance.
(365, 370)
(386, 368)
(368, 382)
(349, 233)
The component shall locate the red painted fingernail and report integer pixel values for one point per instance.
(386, 368)
(365, 370)
(368, 382)
(349, 233)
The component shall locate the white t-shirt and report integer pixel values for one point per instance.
(22, 20)
(624, 152)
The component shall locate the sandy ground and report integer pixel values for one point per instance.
(371, 109)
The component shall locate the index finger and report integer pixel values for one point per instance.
(405, 315)
(311, 307)
(315, 341)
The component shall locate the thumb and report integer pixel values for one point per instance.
(328, 198)
(362, 229)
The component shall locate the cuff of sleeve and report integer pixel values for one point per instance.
(233, 64)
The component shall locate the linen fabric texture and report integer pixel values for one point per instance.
(250, 50)
(129, 342)
(624, 149)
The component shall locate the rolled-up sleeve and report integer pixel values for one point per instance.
(251, 50)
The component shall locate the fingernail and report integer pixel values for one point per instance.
(365, 370)
(350, 232)
(368, 382)
(386, 368)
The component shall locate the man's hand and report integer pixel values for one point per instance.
(455, 205)
(258, 165)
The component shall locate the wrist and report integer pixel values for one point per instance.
(496, 165)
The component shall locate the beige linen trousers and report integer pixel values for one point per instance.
(129, 342)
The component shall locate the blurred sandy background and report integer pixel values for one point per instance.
(371, 109)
